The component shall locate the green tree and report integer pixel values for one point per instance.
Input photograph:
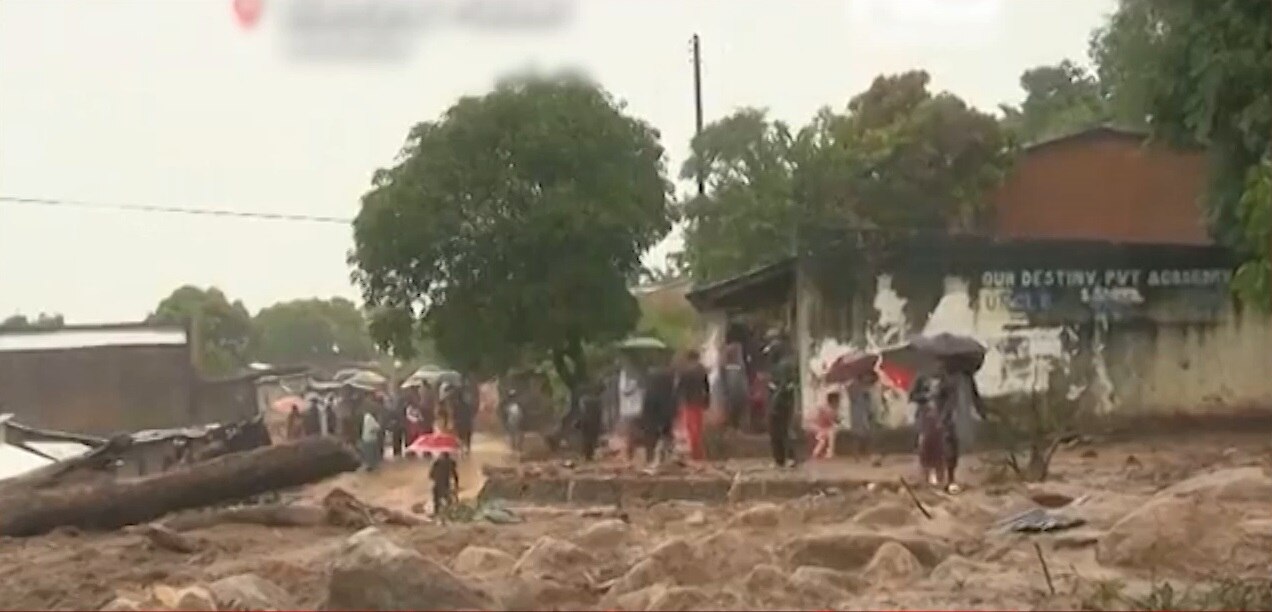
(43, 321)
(508, 229)
(221, 330)
(1199, 72)
(312, 331)
(1059, 100)
(745, 218)
(900, 157)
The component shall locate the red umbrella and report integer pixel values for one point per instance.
(434, 444)
(850, 366)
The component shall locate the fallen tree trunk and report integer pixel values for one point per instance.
(271, 515)
(117, 503)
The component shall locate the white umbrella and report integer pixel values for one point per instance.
(643, 343)
(366, 380)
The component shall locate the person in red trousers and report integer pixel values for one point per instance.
(694, 394)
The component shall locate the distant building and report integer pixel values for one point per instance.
(98, 379)
(1098, 283)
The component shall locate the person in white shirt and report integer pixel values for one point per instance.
(372, 444)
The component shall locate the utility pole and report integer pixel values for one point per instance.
(697, 103)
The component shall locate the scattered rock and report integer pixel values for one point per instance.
(765, 580)
(807, 575)
(1247, 484)
(536, 593)
(759, 515)
(604, 534)
(550, 557)
(852, 549)
(249, 592)
(887, 514)
(893, 563)
(373, 573)
(727, 552)
(636, 600)
(478, 560)
(121, 604)
(818, 585)
(1170, 532)
(680, 598)
(189, 599)
(697, 519)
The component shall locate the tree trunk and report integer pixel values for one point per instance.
(116, 503)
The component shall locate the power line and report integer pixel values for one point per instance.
(209, 212)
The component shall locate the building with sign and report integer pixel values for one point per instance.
(1098, 289)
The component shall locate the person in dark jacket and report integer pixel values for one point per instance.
(694, 393)
(465, 416)
(782, 399)
(658, 413)
(445, 476)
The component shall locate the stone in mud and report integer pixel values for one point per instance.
(249, 592)
(887, 514)
(603, 535)
(1186, 533)
(535, 593)
(552, 557)
(893, 563)
(121, 604)
(636, 600)
(727, 552)
(813, 578)
(681, 598)
(373, 573)
(697, 519)
(760, 515)
(1247, 484)
(480, 560)
(851, 549)
(765, 580)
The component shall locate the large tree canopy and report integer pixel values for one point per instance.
(1200, 72)
(1059, 100)
(510, 227)
(312, 331)
(898, 157)
(222, 331)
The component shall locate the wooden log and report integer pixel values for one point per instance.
(117, 503)
(269, 515)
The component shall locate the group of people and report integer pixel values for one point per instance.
(369, 419)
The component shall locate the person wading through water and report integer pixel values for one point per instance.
(694, 392)
(445, 476)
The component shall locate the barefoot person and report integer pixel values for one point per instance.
(824, 432)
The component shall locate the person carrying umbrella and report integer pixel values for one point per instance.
(944, 400)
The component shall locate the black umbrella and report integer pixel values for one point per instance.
(924, 353)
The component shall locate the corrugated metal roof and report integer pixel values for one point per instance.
(16, 461)
(84, 338)
(61, 451)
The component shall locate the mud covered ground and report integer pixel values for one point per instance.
(1170, 524)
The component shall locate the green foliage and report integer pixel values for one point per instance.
(19, 322)
(1199, 72)
(1253, 280)
(221, 331)
(898, 157)
(671, 319)
(312, 331)
(746, 218)
(510, 227)
(1225, 593)
(1059, 100)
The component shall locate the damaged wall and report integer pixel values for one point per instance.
(1118, 329)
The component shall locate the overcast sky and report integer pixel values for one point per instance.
(173, 103)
